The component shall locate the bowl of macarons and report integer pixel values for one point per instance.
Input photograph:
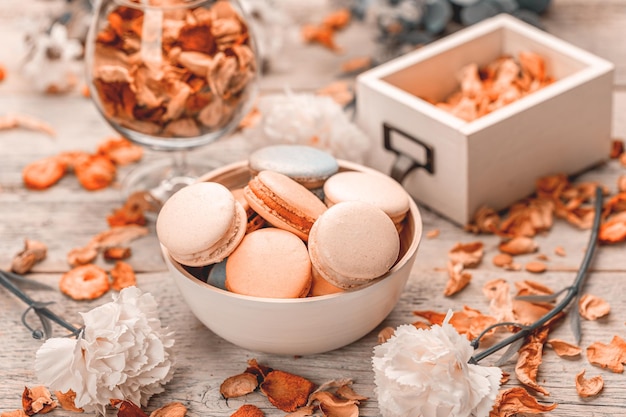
(291, 251)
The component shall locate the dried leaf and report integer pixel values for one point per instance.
(517, 400)
(592, 307)
(467, 254)
(67, 401)
(37, 400)
(564, 349)
(588, 387)
(529, 359)
(611, 356)
(238, 385)
(173, 409)
(248, 410)
(286, 391)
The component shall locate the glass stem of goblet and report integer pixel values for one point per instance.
(179, 164)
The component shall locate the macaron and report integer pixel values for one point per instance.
(270, 263)
(352, 244)
(255, 221)
(307, 165)
(319, 286)
(201, 224)
(370, 187)
(283, 202)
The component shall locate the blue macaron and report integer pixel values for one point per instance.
(305, 164)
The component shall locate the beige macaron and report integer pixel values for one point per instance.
(271, 263)
(370, 187)
(201, 224)
(283, 202)
(352, 244)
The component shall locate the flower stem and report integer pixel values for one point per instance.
(572, 292)
(38, 307)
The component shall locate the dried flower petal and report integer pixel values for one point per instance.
(564, 349)
(501, 304)
(617, 148)
(588, 387)
(530, 287)
(174, 409)
(43, 173)
(260, 371)
(457, 279)
(592, 307)
(502, 260)
(520, 245)
(66, 400)
(120, 150)
(123, 276)
(385, 334)
(248, 410)
(527, 313)
(15, 120)
(486, 220)
(127, 408)
(33, 252)
(529, 359)
(116, 253)
(95, 172)
(15, 413)
(37, 400)
(559, 250)
(536, 267)
(431, 234)
(517, 400)
(611, 356)
(467, 254)
(286, 391)
(238, 385)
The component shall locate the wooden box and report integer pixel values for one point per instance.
(494, 160)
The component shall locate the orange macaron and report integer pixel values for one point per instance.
(270, 263)
(284, 203)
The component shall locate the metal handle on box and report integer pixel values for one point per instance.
(405, 164)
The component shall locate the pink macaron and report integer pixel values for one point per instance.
(201, 224)
(352, 244)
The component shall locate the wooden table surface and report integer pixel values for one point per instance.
(67, 216)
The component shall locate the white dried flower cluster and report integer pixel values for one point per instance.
(123, 353)
(307, 119)
(426, 373)
(53, 64)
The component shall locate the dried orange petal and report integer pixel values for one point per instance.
(611, 356)
(345, 391)
(81, 256)
(85, 282)
(431, 234)
(33, 252)
(536, 267)
(502, 260)
(123, 276)
(116, 253)
(385, 334)
(529, 359)
(43, 173)
(127, 408)
(617, 148)
(15, 120)
(95, 172)
(564, 349)
(286, 391)
(120, 150)
(612, 232)
(530, 287)
(467, 254)
(588, 387)
(248, 410)
(238, 385)
(592, 307)
(527, 313)
(485, 220)
(457, 279)
(260, 371)
(500, 302)
(515, 401)
(559, 250)
(67, 401)
(520, 245)
(37, 400)
(173, 409)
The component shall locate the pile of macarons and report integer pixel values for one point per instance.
(300, 226)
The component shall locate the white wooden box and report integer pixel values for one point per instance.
(495, 159)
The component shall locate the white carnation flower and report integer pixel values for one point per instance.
(123, 352)
(307, 119)
(426, 373)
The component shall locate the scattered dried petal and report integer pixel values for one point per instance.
(588, 387)
(617, 148)
(127, 408)
(37, 400)
(467, 254)
(564, 349)
(592, 307)
(43, 173)
(286, 391)
(116, 253)
(385, 334)
(123, 276)
(502, 260)
(611, 356)
(339, 91)
(357, 64)
(530, 287)
(248, 410)
(560, 251)
(33, 252)
(431, 234)
(501, 304)
(67, 401)
(16, 120)
(120, 151)
(457, 279)
(95, 172)
(81, 256)
(486, 220)
(517, 400)
(536, 267)
(15, 413)
(520, 245)
(85, 282)
(529, 359)
(238, 385)
(174, 409)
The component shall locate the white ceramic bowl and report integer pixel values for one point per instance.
(301, 326)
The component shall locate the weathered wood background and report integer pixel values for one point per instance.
(66, 216)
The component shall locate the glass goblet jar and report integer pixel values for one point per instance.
(171, 75)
